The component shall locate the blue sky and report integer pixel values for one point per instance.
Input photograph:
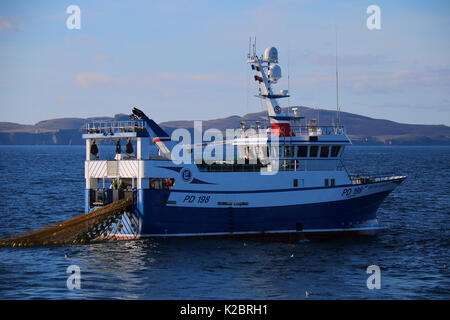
(187, 59)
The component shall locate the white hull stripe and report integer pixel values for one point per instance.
(252, 232)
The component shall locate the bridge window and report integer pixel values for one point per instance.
(289, 151)
(313, 150)
(302, 151)
(335, 150)
(324, 151)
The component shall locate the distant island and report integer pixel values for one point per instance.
(362, 130)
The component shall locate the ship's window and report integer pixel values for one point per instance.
(302, 151)
(295, 182)
(313, 150)
(161, 183)
(326, 182)
(335, 150)
(281, 153)
(289, 151)
(324, 150)
(333, 182)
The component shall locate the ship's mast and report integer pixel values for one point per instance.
(268, 73)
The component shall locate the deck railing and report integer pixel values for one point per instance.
(318, 130)
(110, 127)
(288, 165)
(361, 179)
(303, 130)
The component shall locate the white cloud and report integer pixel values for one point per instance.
(347, 60)
(78, 39)
(6, 24)
(189, 77)
(92, 79)
(101, 57)
(401, 80)
(61, 99)
(377, 82)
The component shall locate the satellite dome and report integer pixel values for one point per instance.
(271, 54)
(274, 73)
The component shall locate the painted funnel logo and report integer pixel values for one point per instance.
(186, 175)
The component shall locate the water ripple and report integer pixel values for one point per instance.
(44, 184)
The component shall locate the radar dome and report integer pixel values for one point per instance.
(271, 54)
(274, 73)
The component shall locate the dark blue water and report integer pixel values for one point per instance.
(45, 184)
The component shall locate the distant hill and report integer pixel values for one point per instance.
(15, 127)
(361, 129)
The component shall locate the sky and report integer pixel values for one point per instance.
(186, 60)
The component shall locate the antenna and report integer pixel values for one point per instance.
(289, 86)
(318, 115)
(248, 75)
(337, 83)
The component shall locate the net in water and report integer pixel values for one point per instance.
(101, 224)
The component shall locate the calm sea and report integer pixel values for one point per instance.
(44, 184)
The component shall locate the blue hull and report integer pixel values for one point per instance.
(160, 219)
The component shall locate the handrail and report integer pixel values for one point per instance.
(318, 130)
(306, 129)
(114, 126)
(360, 179)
